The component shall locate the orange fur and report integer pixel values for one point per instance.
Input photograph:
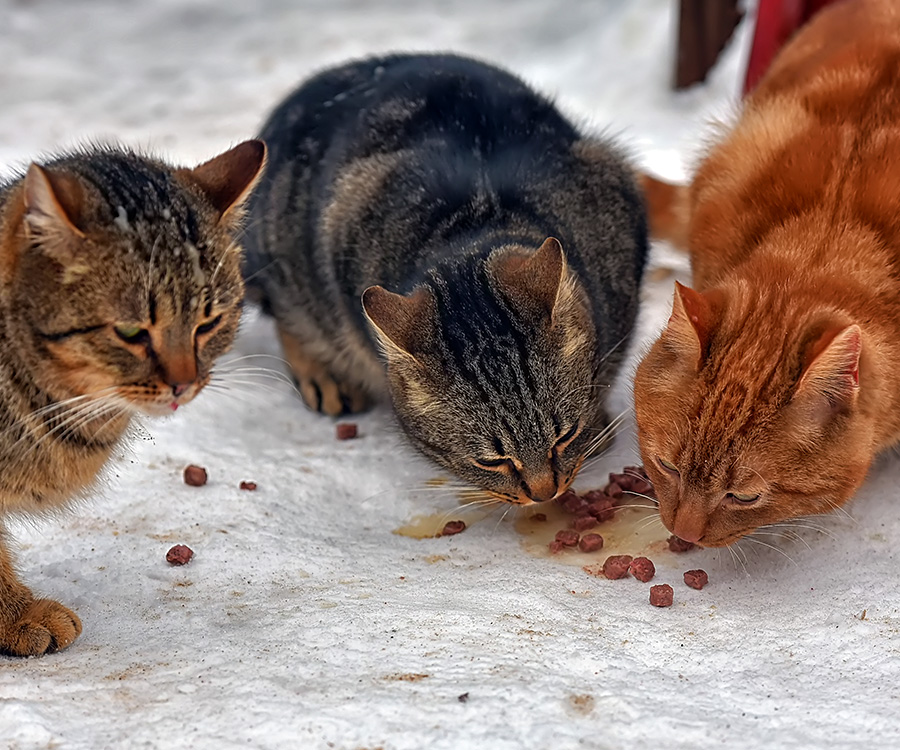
(794, 236)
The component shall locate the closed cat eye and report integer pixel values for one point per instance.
(568, 436)
(670, 467)
(132, 334)
(209, 325)
(492, 463)
(742, 498)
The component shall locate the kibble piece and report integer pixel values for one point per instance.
(616, 566)
(345, 430)
(590, 543)
(179, 555)
(539, 517)
(677, 544)
(643, 569)
(453, 527)
(583, 523)
(567, 537)
(556, 547)
(248, 486)
(662, 595)
(696, 579)
(575, 505)
(565, 497)
(195, 476)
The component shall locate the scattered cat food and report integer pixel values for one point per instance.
(453, 527)
(584, 523)
(556, 547)
(662, 595)
(643, 569)
(676, 544)
(345, 430)
(251, 486)
(616, 566)
(696, 579)
(195, 476)
(179, 555)
(590, 543)
(568, 537)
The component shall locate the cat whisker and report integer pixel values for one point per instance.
(770, 546)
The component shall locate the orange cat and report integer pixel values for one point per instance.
(774, 383)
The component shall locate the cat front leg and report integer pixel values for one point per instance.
(29, 626)
(320, 390)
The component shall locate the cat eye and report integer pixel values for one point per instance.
(567, 437)
(132, 334)
(743, 499)
(208, 325)
(668, 466)
(492, 463)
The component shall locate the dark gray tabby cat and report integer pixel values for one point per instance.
(447, 182)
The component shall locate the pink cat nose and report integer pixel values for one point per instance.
(179, 388)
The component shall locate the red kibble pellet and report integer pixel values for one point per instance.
(556, 547)
(602, 510)
(590, 543)
(677, 544)
(613, 490)
(696, 579)
(179, 555)
(195, 476)
(539, 517)
(567, 537)
(453, 527)
(248, 486)
(662, 595)
(642, 568)
(616, 566)
(583, 523)
(574, 505)
(345, 430)
(565, 497)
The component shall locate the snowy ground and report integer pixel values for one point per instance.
(304, 621)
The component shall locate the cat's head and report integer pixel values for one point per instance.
(748, 415)
(492, 369)
(123, 280)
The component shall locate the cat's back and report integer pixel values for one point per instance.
(818, 139)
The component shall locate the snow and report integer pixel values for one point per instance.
(303, 620)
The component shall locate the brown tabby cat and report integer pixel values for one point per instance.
(120, 285)
(774, 383)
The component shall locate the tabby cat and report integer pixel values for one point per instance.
(774, 383)
(120, 285)
(438, 209)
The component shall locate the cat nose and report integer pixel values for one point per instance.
(689, 524)
(179, 388)
(542, 487)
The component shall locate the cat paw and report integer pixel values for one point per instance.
(326, 395)
(44, 627)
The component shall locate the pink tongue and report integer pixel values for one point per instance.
(174, 406)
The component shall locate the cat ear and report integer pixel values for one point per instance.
(833, 369)
(532, 281)
(53, 204)
(402, 322)
(694, 315)
(228, 179)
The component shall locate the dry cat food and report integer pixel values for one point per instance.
(662, 595)
(180, 554)
(676, 544)
(453, 527)
(616, 566)
(248, 486)
(584, 523)
(590, 543)
(642, 568)
(345, 430)
(195, 476)
(696, 579)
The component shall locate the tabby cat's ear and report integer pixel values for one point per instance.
(53, 205)
(694, 316)
(532, 282)
(404, 323)
(833, 370)
(228, 179)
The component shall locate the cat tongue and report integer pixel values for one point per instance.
(174, 406)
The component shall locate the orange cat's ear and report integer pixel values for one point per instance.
(53, 204)
(404, 323)
(532, 281)
(228, 179)
(694, 316)
(833, 369)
